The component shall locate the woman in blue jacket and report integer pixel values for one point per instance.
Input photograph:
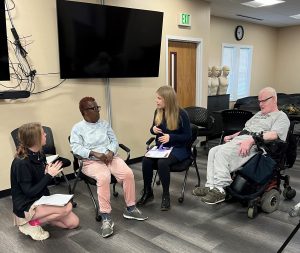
(172, 129)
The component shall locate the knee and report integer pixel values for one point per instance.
(162, 165)
(67, 209)
(103, 179)
(147, 163)
(129, 175)
(75, 222)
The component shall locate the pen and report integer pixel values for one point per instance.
(161, 146)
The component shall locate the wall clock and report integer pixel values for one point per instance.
(239, 32)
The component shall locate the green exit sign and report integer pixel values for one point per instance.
(185, 19)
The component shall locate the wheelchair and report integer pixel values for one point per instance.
(264, 195)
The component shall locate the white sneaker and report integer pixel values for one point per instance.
(35, 232)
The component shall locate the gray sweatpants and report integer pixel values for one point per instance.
(224, 159)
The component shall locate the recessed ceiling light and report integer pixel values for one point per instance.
(262, 3)
(296, 16)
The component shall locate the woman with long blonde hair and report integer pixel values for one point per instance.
(172, 129)
(30, 175)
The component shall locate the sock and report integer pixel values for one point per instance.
(130, 208)
(105, 216)
(34, 222)
(221, 189)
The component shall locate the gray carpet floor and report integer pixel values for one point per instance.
(188, 227)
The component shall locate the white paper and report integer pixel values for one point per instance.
(54, 200)
(158, 152)
(51, 158)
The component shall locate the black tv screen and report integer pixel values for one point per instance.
(106, 41)
(4, 64)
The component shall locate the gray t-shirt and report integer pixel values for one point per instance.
(273, 121)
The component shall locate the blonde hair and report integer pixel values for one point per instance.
(171, 110)
(29, 134)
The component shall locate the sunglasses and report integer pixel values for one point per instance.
(95, 108)
(264, 100)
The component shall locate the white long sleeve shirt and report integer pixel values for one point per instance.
(98, 137)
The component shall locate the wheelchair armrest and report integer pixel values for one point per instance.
(149, 142)
(125, 148)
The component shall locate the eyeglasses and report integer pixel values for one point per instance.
(264, 100)
(95, 108)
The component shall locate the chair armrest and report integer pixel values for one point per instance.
(149, 142)
(195, 143)
(122, 146)
(125, 148)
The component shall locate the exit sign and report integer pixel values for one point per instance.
(185, 19)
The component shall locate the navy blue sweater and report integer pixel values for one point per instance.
(28, 181)
(178, 137)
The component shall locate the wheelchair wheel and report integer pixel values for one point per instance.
(270, 201)
(289, 193)
(180, 199)
(252, 212)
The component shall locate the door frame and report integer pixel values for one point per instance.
(199, 43)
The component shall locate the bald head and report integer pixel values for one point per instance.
(267, 99)
(269, 91)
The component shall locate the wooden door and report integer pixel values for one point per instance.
(182, 71)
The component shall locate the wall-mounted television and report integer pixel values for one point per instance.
(98, 41)
(4, 64)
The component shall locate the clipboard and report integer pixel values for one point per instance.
(156, 152)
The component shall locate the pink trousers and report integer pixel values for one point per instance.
(102, 174)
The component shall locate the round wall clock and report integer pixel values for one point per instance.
(239, 32)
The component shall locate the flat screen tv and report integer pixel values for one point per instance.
(98, 41)
(4, 64)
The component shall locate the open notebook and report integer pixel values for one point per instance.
(51, 158)
(54, 200)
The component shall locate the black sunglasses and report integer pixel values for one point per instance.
(95, 108)
(264, 100)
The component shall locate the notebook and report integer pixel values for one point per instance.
(156, 152)
(54, 200)
(51, 158)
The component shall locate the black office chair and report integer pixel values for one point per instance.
(79, 175)
(233, 121)
(48, 149)
(201, 117)
(185, 164)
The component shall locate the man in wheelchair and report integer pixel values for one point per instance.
(269, 123)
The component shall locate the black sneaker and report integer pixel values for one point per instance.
(165, 203)
(146, 197)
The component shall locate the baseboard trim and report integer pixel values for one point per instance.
(5, 193)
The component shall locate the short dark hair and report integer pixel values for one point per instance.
(83, 101)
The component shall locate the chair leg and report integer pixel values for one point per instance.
(289, 238)
(98, 216)
(73, 190)
(181, 198)
(115, 193)
(67, 182)
(154, 180)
